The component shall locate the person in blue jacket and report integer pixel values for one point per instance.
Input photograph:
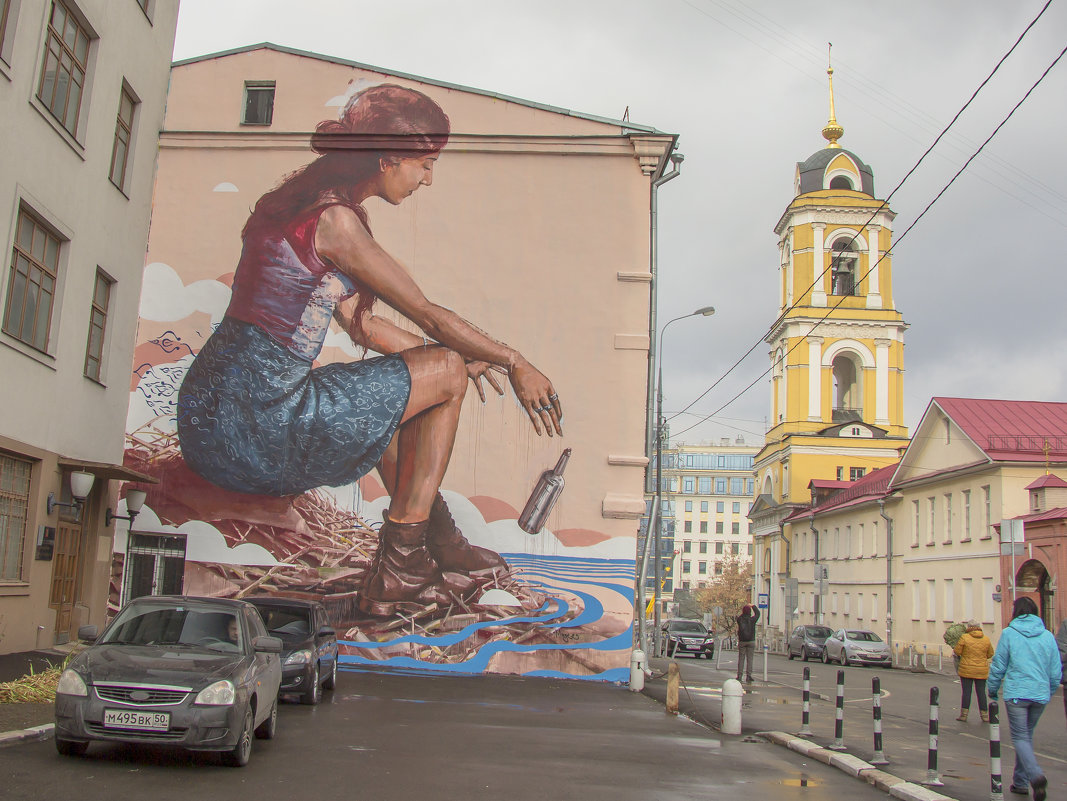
(1026, 667)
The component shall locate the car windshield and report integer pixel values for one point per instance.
(818, 631)
(864, 636)
(286, 621)
(149, 624)
(688, 627)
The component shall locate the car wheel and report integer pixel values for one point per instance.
(267, 729)
(238, 757)
(803, 654)
(790, 655)
(331, 680)
(826, 656)
(843, 659)
(314, 691)
(71, 748)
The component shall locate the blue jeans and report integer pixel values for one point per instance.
(1023, 715)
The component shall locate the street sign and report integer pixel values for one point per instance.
(763, 600)
(996, 597)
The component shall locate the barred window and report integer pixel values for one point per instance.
(31, 283)
(65, 63)
(14, 509)
(120, 150)
(94, 351)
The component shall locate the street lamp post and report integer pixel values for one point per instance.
(705, 311)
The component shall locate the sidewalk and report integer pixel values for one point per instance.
(775, 706)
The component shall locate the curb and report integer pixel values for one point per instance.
(26, 735)
(856, 767)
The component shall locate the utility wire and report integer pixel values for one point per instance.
(899, 239)
(876, 212)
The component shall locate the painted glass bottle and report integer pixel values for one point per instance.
(544, 496)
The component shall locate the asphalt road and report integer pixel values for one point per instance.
(963, 753)
(383, 737)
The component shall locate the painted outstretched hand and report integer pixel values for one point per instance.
(538, 398)
(479, 370)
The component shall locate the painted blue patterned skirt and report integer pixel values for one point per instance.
(254, 417)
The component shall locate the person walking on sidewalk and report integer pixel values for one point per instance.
(973, 651)
(1026, 666)
(746, 641)
(1061, 641)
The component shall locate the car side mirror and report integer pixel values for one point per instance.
(267, 645)
(326, 631)
(87, 633)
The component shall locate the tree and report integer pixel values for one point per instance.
(731, 590)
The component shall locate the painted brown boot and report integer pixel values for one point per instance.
(452, 551)
(403, 571)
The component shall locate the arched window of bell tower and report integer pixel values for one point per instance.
(841, 182)
(843, 263)
(848, 398)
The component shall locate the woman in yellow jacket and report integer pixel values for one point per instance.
(974, 650)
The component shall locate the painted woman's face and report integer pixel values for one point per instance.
(401, 178)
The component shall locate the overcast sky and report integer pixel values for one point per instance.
(979, 279)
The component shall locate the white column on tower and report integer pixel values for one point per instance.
(818, 292)
(874, 293)
(814, 378)
(881, 381)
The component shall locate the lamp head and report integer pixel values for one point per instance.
(705, 311)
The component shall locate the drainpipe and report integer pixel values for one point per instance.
(653, 259)
(818, 567)
(888, 574)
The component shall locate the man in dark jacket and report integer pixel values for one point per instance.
(746, 641)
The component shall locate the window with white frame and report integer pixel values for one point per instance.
(949, 613)
(874, 606)
(931, 520)
(965, 514)
(833, 603)
(948, 518)
(859, 606)
(916, 600)
(987, 600)
(967, 598)
(848, 603)
(987, 513)
(848, 542)
(915, 524)
(14, 514)
(874, 538)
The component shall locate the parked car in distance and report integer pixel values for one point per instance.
(682, 636)
(197, 673)
(309, 644)
(808, 642)
(856, 646)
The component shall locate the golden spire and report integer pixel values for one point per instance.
(832, 132)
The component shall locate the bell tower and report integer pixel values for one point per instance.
(836, 348)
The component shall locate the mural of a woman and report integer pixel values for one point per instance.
(254, 413)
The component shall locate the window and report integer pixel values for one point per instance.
(685, 566)
(702, 568)
(63, 72)
(915, 524)
(737, 507)
(950, 605)
(687, 546)
(703, 526)
(120, 150)
(703, 504)
(860, 542)
(14, 510)
(718, 547)
(948, 518)
(720, 486)
(703, 547)
(94, 351)
(840, 182)
(687, 527)
(718, 568)
(32, 282)
(750, 549)
(931, 599)
(874, 606)
(843, 267)
(987, 522)
(259, 103)
(689, 506)
(856, 473)
(704, 488)
(720, 506)
(735, 528)
(848, 542)
(687, 485)
(874, 538)
(966, 512)
(737, 487)
(840, 475)
(7, 25)
(718, 527)
(916, 600)
(931, 504)
(859, 606)
(735, 548)
(967, 591)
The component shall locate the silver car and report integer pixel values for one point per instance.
(855, 647)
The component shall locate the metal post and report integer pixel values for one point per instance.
(932, 779)
(806, 696)
(764, 654)
(996, 781)
(718, 652)
(876, 692)
(839, 721)
(940, 659)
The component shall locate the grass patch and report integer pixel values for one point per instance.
(32, 688)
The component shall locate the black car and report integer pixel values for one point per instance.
(309, 644)
(808, 642)
(198, 673)
(688, 637)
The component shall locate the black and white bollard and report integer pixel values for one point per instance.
(932, 779)
(839, 719)
(805, 728)
(876, 692)
(996, 781)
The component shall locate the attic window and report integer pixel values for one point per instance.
(841, 182)
(259, 103)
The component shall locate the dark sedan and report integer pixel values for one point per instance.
(688, 637)
(808, 642)
(309, 644)
(197, 673)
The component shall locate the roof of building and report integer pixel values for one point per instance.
(814, 166)
(626, 124)
(1008, 430)
(1047, 480)
(1058, 513)
(866, 488)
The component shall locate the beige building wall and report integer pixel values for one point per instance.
(56, 169)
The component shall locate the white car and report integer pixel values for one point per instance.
(855, 647)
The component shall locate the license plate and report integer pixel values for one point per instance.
(130, 719)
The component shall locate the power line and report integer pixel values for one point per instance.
(875, 213)
(899, 239)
